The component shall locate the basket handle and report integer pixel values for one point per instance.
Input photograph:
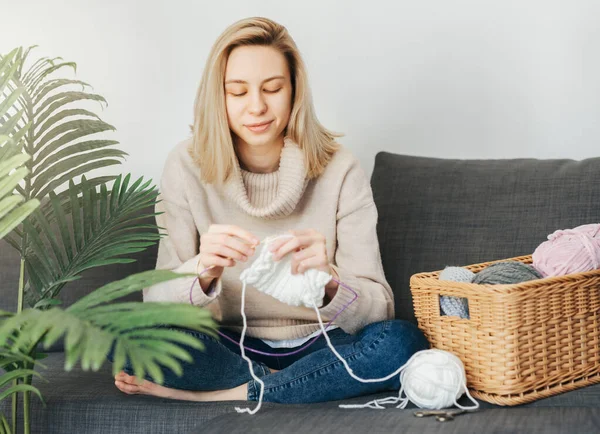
(472, 305)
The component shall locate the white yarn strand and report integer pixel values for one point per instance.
(247, 359)
(264, 275)
(402, 371)
(350, 371)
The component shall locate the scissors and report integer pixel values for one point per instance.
(441, 415)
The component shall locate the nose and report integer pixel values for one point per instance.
(257, 104)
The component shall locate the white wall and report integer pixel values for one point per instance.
(448, 78)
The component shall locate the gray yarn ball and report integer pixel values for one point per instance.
(455, 306)
(506, 273)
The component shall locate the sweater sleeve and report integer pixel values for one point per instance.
(178, 250)
(357, 258)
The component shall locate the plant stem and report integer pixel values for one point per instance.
(29, 149)
(21, 285)
(15, 403)
(26, 400)
(26, 395)
(15, 399)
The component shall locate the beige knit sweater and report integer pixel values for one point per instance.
(338, 204)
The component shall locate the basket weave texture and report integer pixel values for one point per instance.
(523, 341)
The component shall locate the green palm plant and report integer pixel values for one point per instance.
(12, 212)
(58, 139)
(60, 234)
(94, 325)
(11, 362)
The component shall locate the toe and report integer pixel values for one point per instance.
(130, 389)
(130, 379)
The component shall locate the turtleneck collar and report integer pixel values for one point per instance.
(270, 195)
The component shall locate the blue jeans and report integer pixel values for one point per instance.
(313, 375)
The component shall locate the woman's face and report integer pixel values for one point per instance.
(258, 95)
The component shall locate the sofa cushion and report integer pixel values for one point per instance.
(328, 420)
(435, 212)
(88, 402)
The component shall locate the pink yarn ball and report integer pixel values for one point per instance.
(569, 251)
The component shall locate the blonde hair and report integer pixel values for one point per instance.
(212, 147)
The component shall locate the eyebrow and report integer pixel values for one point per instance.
(264, 81)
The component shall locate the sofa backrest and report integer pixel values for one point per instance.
(432, 212)
(437, 212)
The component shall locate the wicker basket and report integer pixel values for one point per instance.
(523, 341)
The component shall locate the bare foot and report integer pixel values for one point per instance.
(130, 385)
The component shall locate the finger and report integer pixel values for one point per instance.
(130, 389)
(218, 261)
(214, 241)
(235, 230)
(316, 262)
(293, 244)
(225, 252)
(307, 253)
(302, 232)
(302, 255)
(278, 242)
(240, 246)
(295, 266)
(287, 246)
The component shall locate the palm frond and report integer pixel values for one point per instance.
(4, 426)
(10, 116)
(10, 362)
(20, 388)
(12, 161)
(8, 68)
(17, 374)
(59, 138)
(12, 213)
(138, 332)
(104, 229)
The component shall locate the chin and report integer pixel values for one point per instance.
(259, 141)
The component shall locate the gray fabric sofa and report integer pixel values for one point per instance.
(432, 213)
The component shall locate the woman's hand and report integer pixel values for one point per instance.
(221, 247)
(308, 251)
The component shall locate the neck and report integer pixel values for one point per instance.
(259, 159)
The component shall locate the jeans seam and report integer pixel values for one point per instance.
(336, 360)
(251, 390)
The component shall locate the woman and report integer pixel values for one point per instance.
(259, 163)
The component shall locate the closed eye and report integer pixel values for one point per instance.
(244, 93)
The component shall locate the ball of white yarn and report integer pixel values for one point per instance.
(434, 379)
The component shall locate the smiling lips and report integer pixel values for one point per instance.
(259, 128)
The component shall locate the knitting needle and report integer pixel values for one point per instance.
(441, 415)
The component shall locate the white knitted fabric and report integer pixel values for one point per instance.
(276, 278)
